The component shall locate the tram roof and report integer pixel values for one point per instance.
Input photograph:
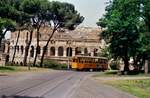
(80, 56)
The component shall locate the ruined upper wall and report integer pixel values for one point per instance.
(79, 33)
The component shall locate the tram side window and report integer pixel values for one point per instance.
(102, 61)
(105, 61)
(79, 60)
(86, 60)
(99, 61)
(82, 61)
(90, 61)
(96, 60)
(74, 60)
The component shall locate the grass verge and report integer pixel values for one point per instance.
(113, 73)
(12, 69)
(139, 88)
(137, 84)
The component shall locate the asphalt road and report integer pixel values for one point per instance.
(57, 84)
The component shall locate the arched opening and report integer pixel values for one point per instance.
(7, 59)
(69, 51)
(32, 51)
(95, 52)
(18, 49)
(21, 63)
(60, 51)
(3, 47)
(46, 53)
(85, 51)
(52, 51)
(78, 51)
(12, 48)
(38, 50)
(8, 49)
(22, 48)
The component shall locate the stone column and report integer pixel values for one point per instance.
(92, 52)
(73, 51)
(11, 52)
(41, 51)
(56, 51)
(34, 52)
(48, 51)
(82, 51)
(29, 52)
(65, 52)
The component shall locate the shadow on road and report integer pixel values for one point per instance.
(18, 97)
(3, 75)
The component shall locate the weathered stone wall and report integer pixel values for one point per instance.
(83, 40)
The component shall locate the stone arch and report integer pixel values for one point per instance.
(3, 47)
(32, 51)
(95, 52)
(12, 48)
(78, 50)
(85, 51)
(46, 53)
(60, 51)
(69, 51)
(21, 63)
(17, 47)
(52, 51)
(22, 49)
(7, 59)
(38, 50)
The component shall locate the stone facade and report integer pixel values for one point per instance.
(64, 44)
(4, 52)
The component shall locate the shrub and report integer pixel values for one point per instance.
(114, 65)
(11, 64)
(53, 65)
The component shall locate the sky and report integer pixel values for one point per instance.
(92, 10)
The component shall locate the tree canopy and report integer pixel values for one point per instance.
(61, 15)
(124, 29)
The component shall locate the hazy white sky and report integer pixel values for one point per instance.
(92, 10)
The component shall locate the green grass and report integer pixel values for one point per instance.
(113, 73)
(7, 69)
(12, 69)
(139, 88)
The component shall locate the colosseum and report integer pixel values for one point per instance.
(63, 45)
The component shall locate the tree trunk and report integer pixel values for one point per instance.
(16, 46)
(36, 54)
(27, 49)
(126, 65)
(45, 49)
(146, 67)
